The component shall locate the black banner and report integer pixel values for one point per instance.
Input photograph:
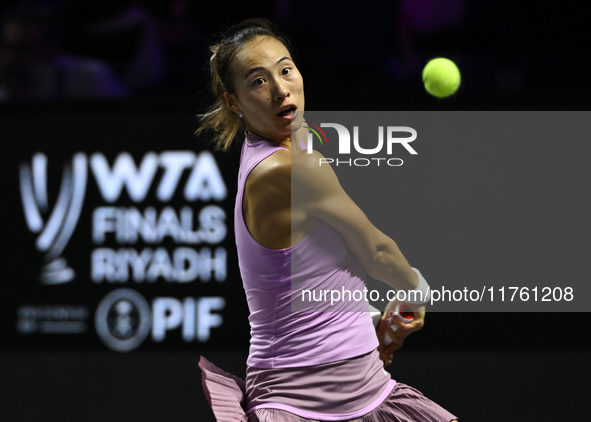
(120, 231)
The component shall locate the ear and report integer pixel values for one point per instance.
(231, 102)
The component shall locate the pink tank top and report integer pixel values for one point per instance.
(319, 365)
(281, 338)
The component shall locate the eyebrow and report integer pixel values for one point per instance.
(254, 69)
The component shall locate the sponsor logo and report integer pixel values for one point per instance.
(59, 223)
(51, 319)
(123, 320)
(131, 225)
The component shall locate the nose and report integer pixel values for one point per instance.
(281, 90)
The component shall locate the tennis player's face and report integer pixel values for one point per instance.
(269, 89)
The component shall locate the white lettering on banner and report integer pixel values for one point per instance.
(165, 230)
(130, 225)
(174, 163)
(204, 183)
(196, 316)
(124, 172)
(124, 319)
(182, 266)
(52, 319)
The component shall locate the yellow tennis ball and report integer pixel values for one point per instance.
(441, 77)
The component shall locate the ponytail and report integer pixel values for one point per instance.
(219, 118)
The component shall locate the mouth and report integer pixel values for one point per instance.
(288, 112)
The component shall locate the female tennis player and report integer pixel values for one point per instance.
(302, 366)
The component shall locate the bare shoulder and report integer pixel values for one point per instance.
(267, 201)
(312, 175)
(302, 166)
(271, 175)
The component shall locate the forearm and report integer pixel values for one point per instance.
(389, 265)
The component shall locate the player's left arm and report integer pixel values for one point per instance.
(316, 192)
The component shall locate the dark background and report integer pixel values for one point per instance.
(354, 56)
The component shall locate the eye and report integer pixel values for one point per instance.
(286, 71)
(259, 81)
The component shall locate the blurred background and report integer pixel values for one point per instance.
(120, 265)
(512, 54)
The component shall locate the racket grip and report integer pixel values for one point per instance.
(404, 316)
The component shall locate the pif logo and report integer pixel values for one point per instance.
(344, 142)
(124, 319)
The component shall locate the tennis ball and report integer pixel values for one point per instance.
(441, 77)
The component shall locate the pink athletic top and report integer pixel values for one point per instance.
(304, 342)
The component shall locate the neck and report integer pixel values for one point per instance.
(285, 143)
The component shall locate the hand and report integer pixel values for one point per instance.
(404, 329)
(386, 352)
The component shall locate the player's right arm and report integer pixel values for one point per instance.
(316, 192)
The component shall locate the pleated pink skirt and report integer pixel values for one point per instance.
(225, 394)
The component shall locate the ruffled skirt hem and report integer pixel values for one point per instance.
(226, 396)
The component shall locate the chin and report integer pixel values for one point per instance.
(296, 125)
(297, 122)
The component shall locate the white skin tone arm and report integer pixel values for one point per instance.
(319, 194)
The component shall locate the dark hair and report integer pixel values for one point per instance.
(219, 117)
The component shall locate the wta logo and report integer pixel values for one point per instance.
(55, 227)
(161, 174)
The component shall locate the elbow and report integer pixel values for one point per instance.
(389, 266)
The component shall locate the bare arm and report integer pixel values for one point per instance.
(317, 192)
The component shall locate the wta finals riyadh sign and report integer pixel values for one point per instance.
(130, 225)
